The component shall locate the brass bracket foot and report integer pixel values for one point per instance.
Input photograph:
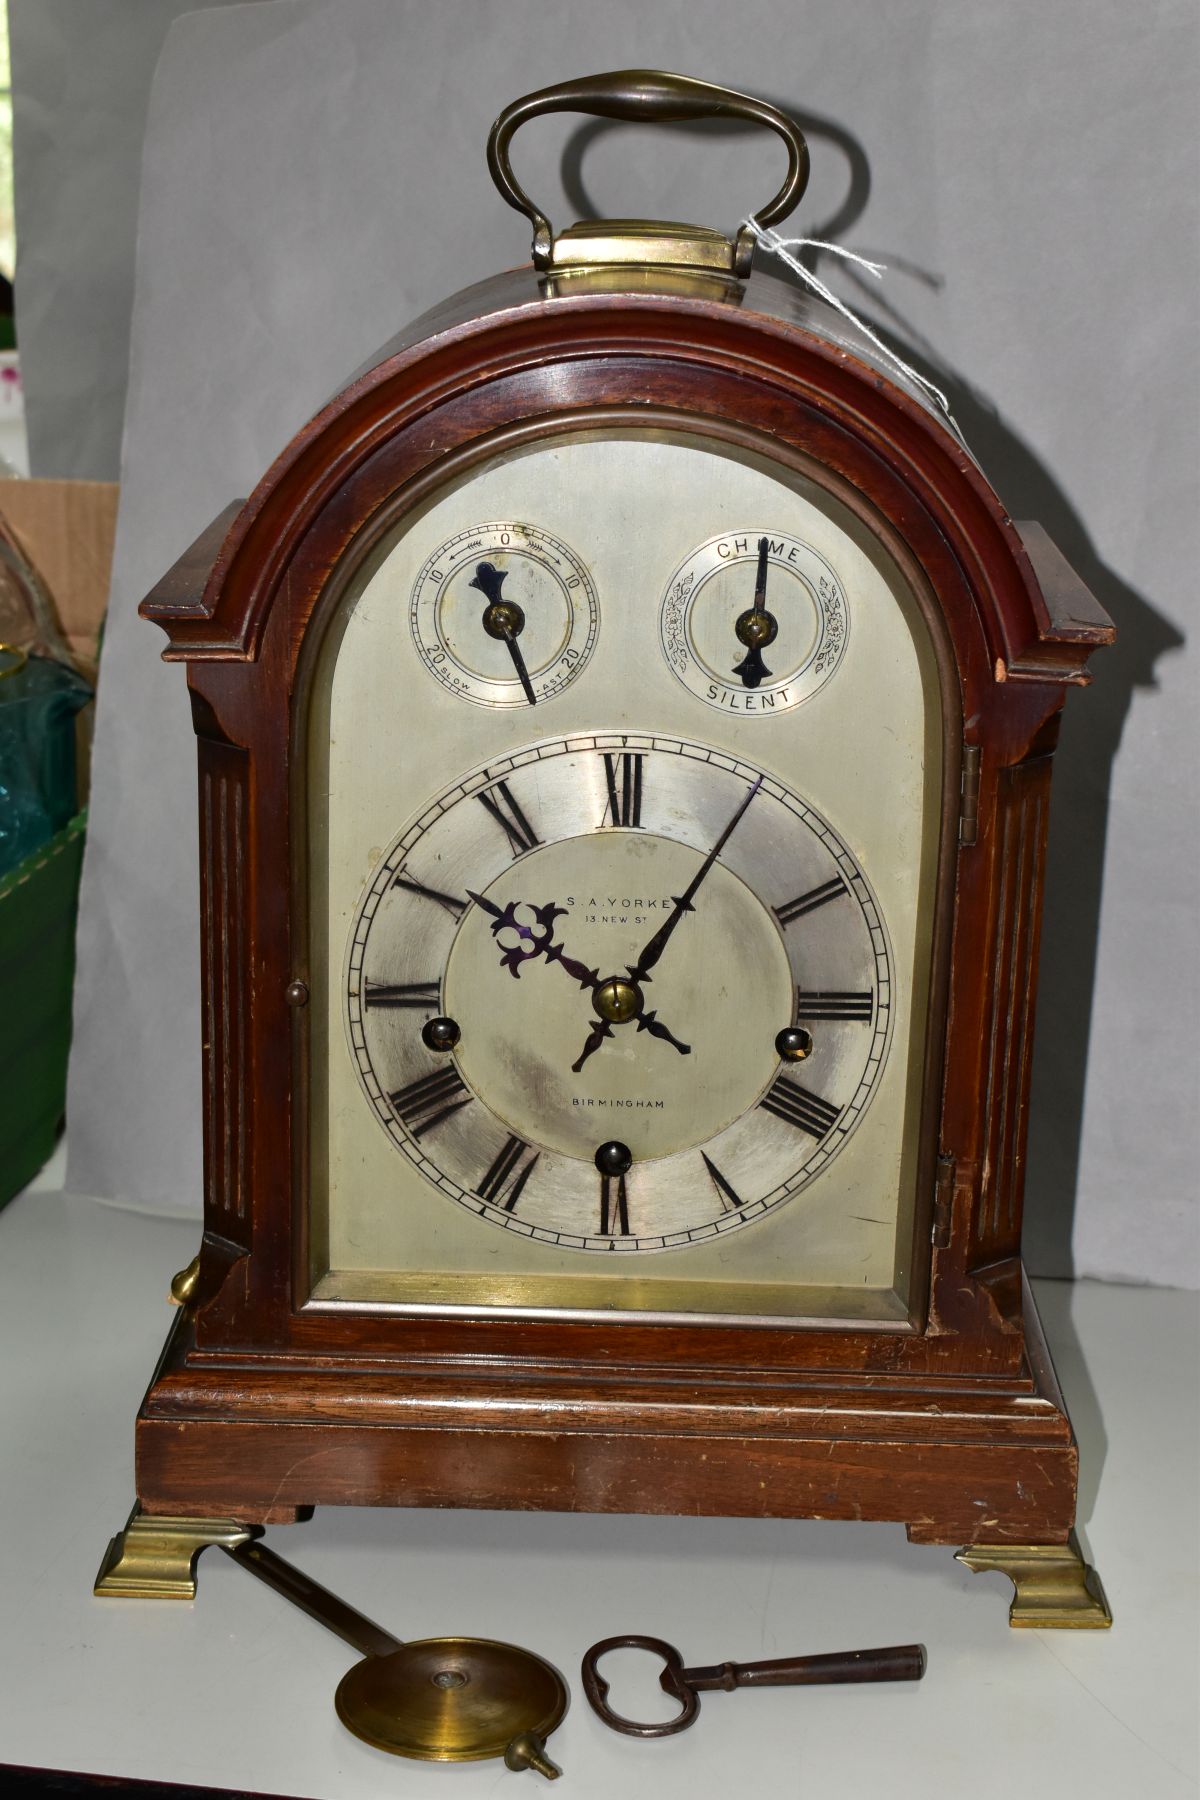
(154, 1558)
(1055, 1588)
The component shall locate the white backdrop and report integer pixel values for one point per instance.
(313, 176)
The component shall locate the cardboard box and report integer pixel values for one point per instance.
(66, 531)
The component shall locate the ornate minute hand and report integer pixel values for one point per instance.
(682, 903)
(640, 973)
(541, 943)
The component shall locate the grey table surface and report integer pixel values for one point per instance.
(236, 1689)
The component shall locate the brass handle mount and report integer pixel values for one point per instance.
(651, 96)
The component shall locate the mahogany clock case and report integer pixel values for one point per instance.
(948, 1418)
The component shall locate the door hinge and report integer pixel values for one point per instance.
(968, 814)
(943, 1201)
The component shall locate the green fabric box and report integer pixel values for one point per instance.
(37, 967)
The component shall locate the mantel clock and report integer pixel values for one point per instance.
(625, 721)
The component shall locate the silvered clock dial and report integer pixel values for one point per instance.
(619, 991)
(525, 1016)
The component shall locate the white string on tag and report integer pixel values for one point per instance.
(785, 249)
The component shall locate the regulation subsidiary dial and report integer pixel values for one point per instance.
(504, 614)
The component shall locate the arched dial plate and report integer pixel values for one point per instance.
(504, 614)
(754, 622)
(728, 906)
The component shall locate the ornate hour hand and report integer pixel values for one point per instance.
(600, 1030)
(616, 1001)
(540, 940)
(757, 626)
(503, 619)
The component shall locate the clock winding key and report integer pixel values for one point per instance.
(899, 1662)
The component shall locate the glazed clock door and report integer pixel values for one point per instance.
(623, 785)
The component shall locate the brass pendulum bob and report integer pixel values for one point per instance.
(451, 1699)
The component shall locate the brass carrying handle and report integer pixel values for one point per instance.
(652, 96)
